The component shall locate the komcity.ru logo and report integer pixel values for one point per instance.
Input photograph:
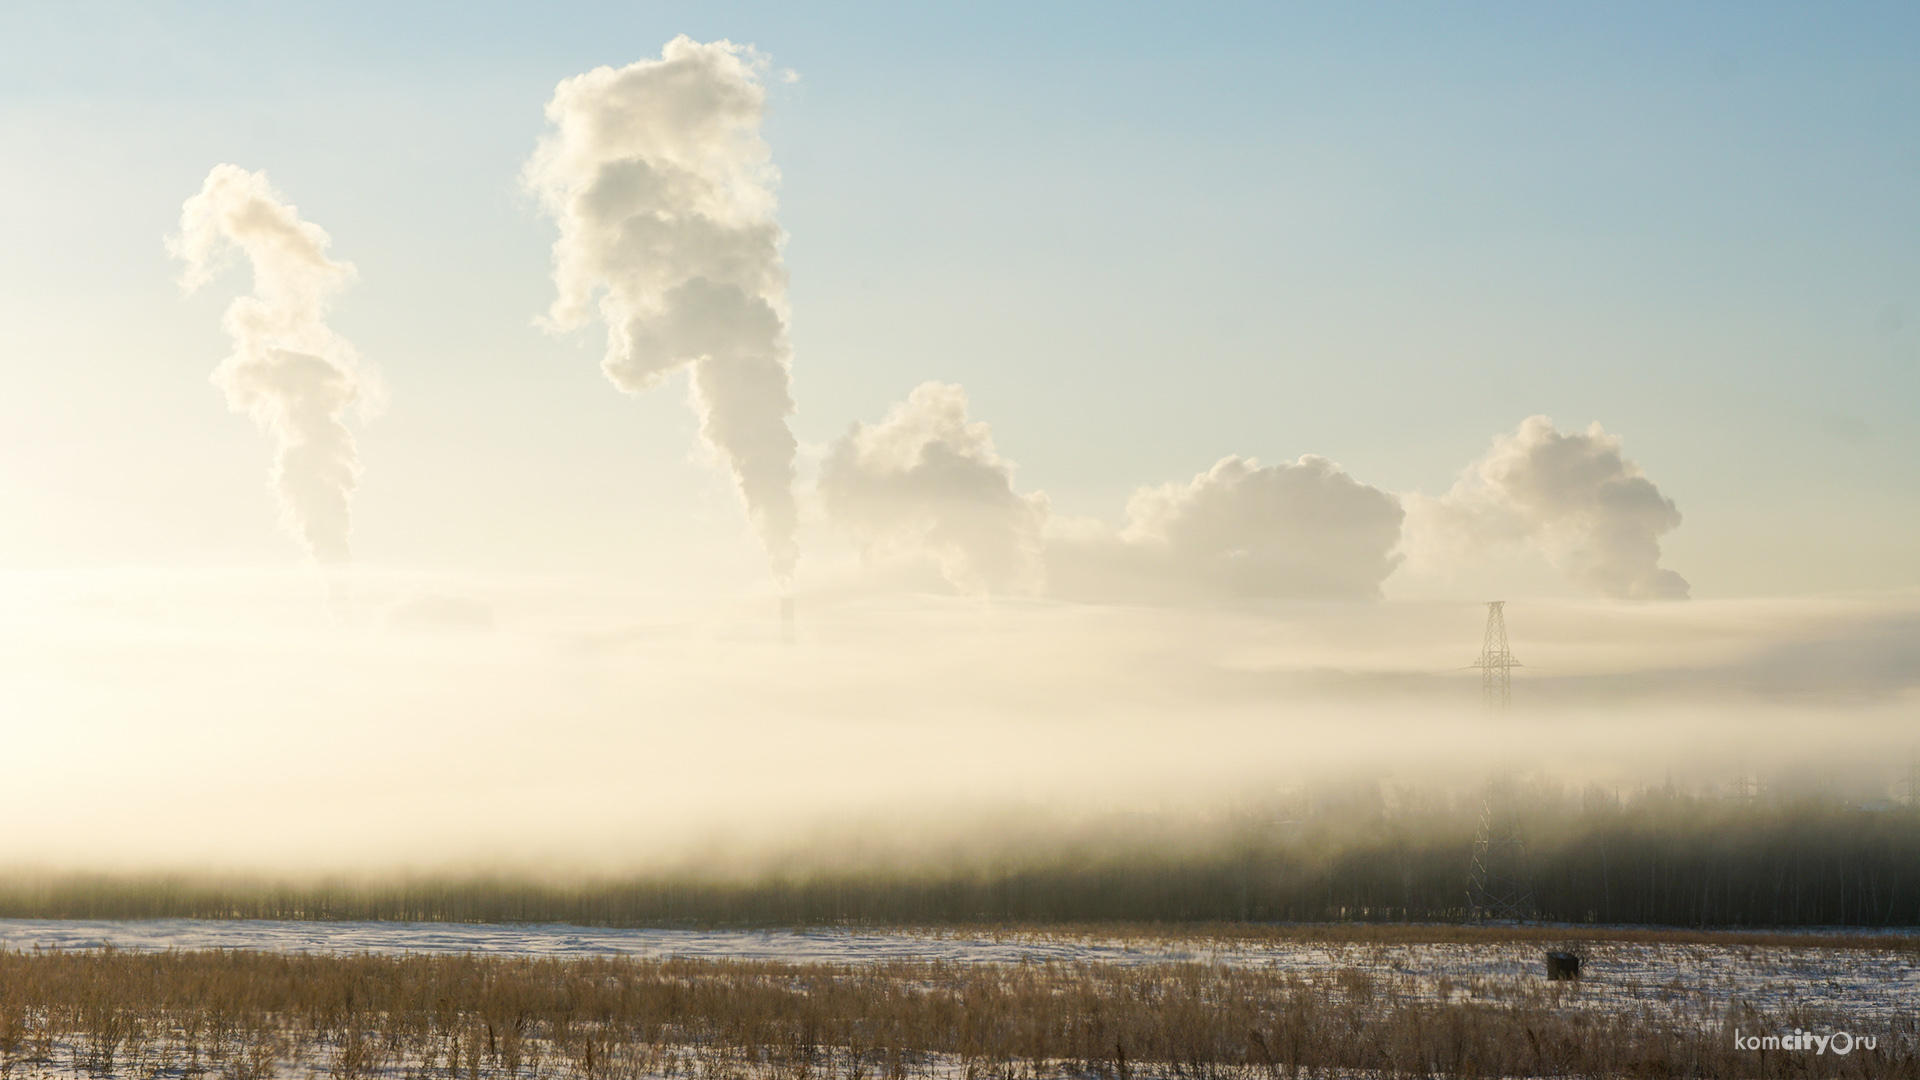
(1840, 1042)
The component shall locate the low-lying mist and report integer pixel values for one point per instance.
(222, 723)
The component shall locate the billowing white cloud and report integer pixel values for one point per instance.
(1303, 529)
(664, 194)
(926, 482)
(291, 373)
(1587, 508)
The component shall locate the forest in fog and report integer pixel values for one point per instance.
(1661, 855)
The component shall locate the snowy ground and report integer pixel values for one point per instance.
(553, 939)
(1688, 984)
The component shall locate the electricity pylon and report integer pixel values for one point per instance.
(1496, 662)
(1744, 790)
(1500, 885)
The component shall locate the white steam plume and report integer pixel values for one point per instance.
(664, 195)
(1299, 530)
(1588, 508)
(926, 481)
(288, 371)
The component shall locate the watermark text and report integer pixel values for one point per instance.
(1839, 1042)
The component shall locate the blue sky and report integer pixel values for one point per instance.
(1141, 237)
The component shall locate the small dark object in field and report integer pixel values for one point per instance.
(1562, 965)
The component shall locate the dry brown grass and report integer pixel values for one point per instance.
(1355, 933)
(249, 1015)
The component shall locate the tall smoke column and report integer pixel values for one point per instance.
(663, 191)
(293, 375)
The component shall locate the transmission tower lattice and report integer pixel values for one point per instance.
(1496, 662)
(1743, 790)
(1500, 885)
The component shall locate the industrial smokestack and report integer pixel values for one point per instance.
(786, 618)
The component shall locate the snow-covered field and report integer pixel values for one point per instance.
(1692, 984)
(560, 940)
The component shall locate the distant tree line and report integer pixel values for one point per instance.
(1661, 856)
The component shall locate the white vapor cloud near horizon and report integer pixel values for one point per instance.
(1297, 530)
(289, 371)
(926, 484)
(663, 190)
(926, 481)
(1575, 496)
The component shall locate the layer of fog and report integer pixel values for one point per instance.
(225, 721)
